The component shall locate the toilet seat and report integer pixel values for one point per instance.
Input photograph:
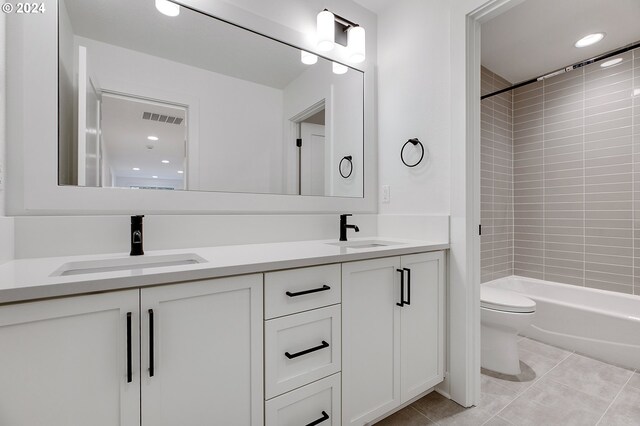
(499, 299)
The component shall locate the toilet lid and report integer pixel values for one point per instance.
(504, 300)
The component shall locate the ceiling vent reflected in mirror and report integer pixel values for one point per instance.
(161, 118)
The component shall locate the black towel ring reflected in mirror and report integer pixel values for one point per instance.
(413, 141)
(350, 160)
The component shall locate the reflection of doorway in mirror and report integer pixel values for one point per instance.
(312, 154)
(144, 143)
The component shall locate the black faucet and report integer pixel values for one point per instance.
(136, 235)
(344, 227)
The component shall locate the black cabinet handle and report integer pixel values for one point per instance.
(314, 290)
(324, 417)
(408, 302)
(151, 349)
(401, 304)
(129, 372)
(307, 351)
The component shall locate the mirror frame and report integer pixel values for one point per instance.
(32, 127)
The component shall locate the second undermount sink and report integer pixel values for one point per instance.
(364, 244)
(126, 263)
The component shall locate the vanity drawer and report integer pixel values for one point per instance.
(297, 290)
(306, 405)
(301, 348)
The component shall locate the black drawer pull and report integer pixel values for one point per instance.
(324, 417)
(307, 351)
(314, 290)
(129, 372)
(151, 344)
(401, 304)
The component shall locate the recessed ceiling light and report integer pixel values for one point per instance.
(589, 40)
(167, 8)
(180, 171)
(136, 168)
(155, 177)
(152, 138)
(636, 92)
(611, 62)
(165, 161)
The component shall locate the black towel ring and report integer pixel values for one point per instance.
(349, 159)
(414, 141)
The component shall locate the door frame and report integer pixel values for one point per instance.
(463, 379)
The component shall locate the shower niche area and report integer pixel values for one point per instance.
(560, 176)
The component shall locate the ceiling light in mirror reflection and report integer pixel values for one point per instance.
(167, 8)
(165, 161)
(180, 171)
(152, 138)
(154, 176)
(636, 92)
(590, 39)
(136, 169)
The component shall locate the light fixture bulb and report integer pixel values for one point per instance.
(167, 8)
(339, 68)
(611, 62)
(325, 31)
(152, 138)
(590, 39)
(308, 58)
(165, 161)
(356, 44)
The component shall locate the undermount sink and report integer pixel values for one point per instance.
(364, 244)
(126, 263)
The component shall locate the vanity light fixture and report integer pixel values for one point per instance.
(590, 39)
(137, 169)
(339, 68)
(611, 62)
(308, 58)
(167, 8)
(325, 31)
(356, 44)
(152, 138)
(165, 161)
(333, 29)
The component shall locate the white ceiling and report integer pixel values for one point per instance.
(537, 36)
(376, 6)
(124, 138)
(190, 38)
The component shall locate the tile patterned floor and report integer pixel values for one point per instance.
(556, 387)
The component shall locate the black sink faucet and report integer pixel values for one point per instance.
(344, 227)
(136, 235)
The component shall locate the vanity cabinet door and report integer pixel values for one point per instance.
(371, 339)
(202, 361)
(422, 335)
(64, 362)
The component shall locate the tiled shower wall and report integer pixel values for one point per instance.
(576, 177)
(496, 198)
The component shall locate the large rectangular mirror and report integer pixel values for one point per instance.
(190, 102)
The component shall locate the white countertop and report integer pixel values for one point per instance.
(29, 279)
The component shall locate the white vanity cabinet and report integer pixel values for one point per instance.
(202, 353)
(393, 330)
(64, 362)
(77, 361)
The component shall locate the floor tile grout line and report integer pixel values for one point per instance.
(615, 398)
(422, 414)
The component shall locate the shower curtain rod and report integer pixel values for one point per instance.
(566, 69)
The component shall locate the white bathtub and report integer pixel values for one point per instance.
(597, 323)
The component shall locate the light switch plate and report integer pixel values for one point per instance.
(386, 194)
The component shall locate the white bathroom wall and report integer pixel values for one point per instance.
(67, 103)
(226, 109)
(6, 223)
(41, 236)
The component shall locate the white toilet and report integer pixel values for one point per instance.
(503, 314)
